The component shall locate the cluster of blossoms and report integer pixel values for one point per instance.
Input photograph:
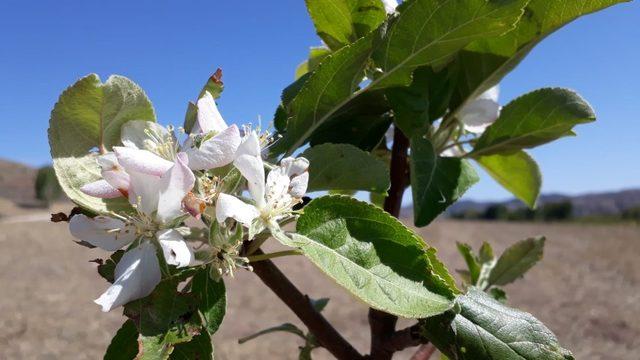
(167, 183)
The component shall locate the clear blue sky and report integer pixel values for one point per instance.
(170, 47)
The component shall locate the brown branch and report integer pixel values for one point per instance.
(299, 303)
(383, 325)
(424, 352)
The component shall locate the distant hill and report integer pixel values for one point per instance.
(592, 204)
(17, 182)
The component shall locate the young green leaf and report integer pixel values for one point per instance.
(487, 61)
(88, 116)
(471, 260)
(484, 328)
(214, 86)
(374, 256)
(200, 348)
(516, 172)
(325, 90)
(316, 55)
(212, 300)
(341, 22)
(436, 181)
(332, 168)
(534, 119)
(517, 260)
(429, 32)
(124, 345)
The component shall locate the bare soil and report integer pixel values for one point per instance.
(587, 290)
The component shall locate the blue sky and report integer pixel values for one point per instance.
(171, 47)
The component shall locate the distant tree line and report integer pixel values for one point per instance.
(552, 211)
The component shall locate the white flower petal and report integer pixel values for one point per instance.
(390, 6)
(175, 249)
(216, 152)
(101, 189)
(101, 231)
(250, 145)
(277, 185)
(252, 168)
(478, 115)
(142, 161)
(113, 173)
(452, 152)
(229, 206)
(144, 191)
(294, 166)
(136, 275)
(209, 118)
(298, 185)
(491, 94)
(135, 134)
(175, 184)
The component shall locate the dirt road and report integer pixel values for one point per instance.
(587, 290)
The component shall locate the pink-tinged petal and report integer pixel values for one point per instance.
(298, 185)
(175, 184)
(144, 191)
(101, 189)
(136, 275)
(215, 152)
(209, 118)
(137, 133)
(101, 231)
(174, 248)
(141, 161)
(118, 179)
(250, 145)
(194, 205)
(252, 168)
(229, 206)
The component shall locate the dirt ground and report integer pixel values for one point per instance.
(587, 290)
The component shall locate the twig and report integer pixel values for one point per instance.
(383, 325)
(300, 304)
(262, 257)
(424, 352)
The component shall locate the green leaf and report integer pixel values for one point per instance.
(316, 55)
(534, 119)
(200, 348)
(164, 310)
(214, 86)
(332, 168)
(487, 61)
(430, 32)
(341, 22)
(483, 328)
(363, 122)
(124, 345)
(436, 181)
(374, 256)
(286, 327)
(498, 294)
(517, 260)
(472, 261)
(516, 172)
(88, 116)
(326, 90)
(417, 106)
(212, 300)
(107, 268)
(319, 304)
